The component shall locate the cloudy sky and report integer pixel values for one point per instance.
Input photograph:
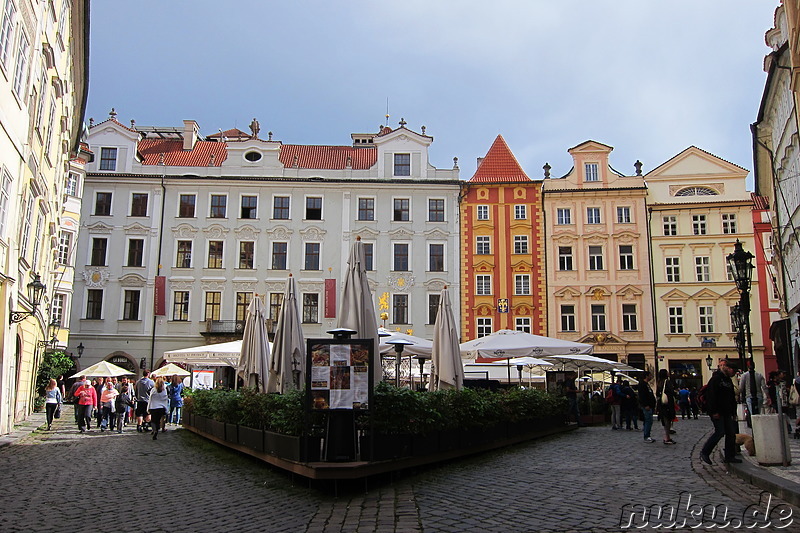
(648, 78)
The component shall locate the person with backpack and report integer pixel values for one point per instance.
(124, 401)
(647, 401)
(614, 399)
(143, 388)
(720, 399)
(665, 406)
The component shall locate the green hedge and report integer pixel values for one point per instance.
(395, 410)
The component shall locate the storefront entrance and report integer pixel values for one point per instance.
(686, 373)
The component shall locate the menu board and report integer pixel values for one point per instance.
(339, 375)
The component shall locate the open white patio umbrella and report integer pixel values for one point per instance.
(421, 346)
(220, 354)
(170, 369)
(254, 357)
(356, 310)
(447, 369)
(288, 348)
(101, 370)
(507, 343)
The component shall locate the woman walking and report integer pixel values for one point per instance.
(87, 400)
(158, 405)
(665, 408)
(53, 401)
(175, 392)
(108, 402)
(124, 401)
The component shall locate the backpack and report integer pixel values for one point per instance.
(120, 405)
(611, 396)
(702, 401)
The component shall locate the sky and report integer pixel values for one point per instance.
(647, 78)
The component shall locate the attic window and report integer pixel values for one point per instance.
(696, 191)
(252, 156)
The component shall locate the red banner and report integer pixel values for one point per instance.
(330, 298)
(160, 302)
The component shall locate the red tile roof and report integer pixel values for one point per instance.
(759, 201)
(499, 165)
(175, 155)
(327, 157)
(232, 134)
(115, 121)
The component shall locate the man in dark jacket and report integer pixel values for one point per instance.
(647, 401)
(721, 407)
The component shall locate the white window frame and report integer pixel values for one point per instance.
(130, 204)
(306, 197)
(669, 225)
(305, 254)
(629, 318)
(626, 258)
(227, 205)
(523, 323)
(705, 317)
(242, 196)
(567, 317)
(672, 269)
(64, 255)
(624, 215)
(122, 304)
(483, 242)
(483, 284)
(272, 206)
(729, 224)
(521, 244)
(239, 254)
(482, 212)
(7, 32)
(444, 255)
(593, 215)
(272, 255)
(595, 254)
(675, 313)
(408, 255)
(188, 305)
(699, 226)
(191, 253)
(5, 199)
(522, 284)
(591, 171)
(564, 258)
(520, 212)
(21, 68)
(208, 255)
(483, 326)
(702, 268)
(128, 250)
(444, 208)
(599, 317)
(71, 184)
(563, 216)
(59, 309)
(86, 303)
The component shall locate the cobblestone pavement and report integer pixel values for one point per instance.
(577, 481)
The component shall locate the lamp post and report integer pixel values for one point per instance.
(519, 370)
(421, 358)
(740, 263)
(35, 292)
(709, 361)
(398, 344)
(80, 349)
(52, 342)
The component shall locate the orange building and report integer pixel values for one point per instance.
(502, 247)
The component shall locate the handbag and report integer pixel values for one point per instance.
(57, 413)
(794, 395)
(664, 397)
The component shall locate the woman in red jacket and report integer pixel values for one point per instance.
(87, 399)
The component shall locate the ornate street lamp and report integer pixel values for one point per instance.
(52, 342)
(80, 349)
(709, 361)
(35, 292)
(740, 263)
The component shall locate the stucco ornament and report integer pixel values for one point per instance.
(401, 282)
(96, 277)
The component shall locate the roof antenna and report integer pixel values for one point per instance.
(387, 111)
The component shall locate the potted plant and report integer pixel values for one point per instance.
(38, 403)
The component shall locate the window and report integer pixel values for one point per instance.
(731, 311)
(280, 208)
(433, 307)
(57, 309)
(702, 268)
(71, 184)
(219, 206)
(593, 215)
(598, 317)
(38, 236)
(483, 284)
(180, 306)
(249, 207)
(7, 31)
(5, 195)
(728, 272)
(243, 300)
(21, 72)
(275, 303)
(64, 247)
(279, 250)
(184, 257)
(310, 308)
(729, 223)
(436, 257)
(99, 247)
(522, 284)
(482, 245)
(565, 257)
(213, 305)
(567, 318)
(595, 258)
(483, 327)
(670, 223)
(312, 256)
(698, 224)
(676, 320)
(135, 253)
(706, 315)
(624, 215)
(520, 212)
(94, 304)
(400, 309)
(27, 220)
(314, 208)
(625, 257)
(400, 257)
(102, 204)
(522, 323)
(696, 191)
(673, 266)
(366, 209)
(139, 204)
(186, 205)
(108, 159)
(563, 216)
(215, 249)
(401, 212)
(368, 256)
(247, 254)
(520, 244)
(402, 164)
(590, 169)
(435, 210)
(483, 212)
(629, 317)
(130, 308)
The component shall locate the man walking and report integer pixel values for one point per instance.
(647, 401)
(143, 388)
(72, 390)
(571, 392)
(752, 396)
(721, 407)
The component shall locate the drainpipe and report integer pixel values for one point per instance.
(158, 266)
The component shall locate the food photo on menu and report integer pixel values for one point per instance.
(359, 355)
(340, 377)
(320, 399)
(320, 355)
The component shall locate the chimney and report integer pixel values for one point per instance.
(480, 160)
(191, 131)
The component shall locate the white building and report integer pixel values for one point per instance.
(231, 215)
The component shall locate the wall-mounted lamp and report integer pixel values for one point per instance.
(35, 292)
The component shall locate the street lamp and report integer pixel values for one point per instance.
(421, 358)
(80, 349)
(52, 342)
(740, 263)
(35, 292)
(709, 361)
(398, 344)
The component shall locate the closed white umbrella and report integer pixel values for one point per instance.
(254, 357)
(101, 370)
(288, 348)
(356, 310)
(448, 370)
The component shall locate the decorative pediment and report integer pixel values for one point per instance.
(522, 309)
(706, 294)
(436, 233)
(675, 295)
(483, 225)
(567, 293)
(521, 266)
(566, 239)
(626, 237)
(435, 284)
(630, 292)
(696, 162)
(132, 280)
(312, 233)
(731, 296)
(598, 292)
(484, 266)
(275, 286)
(181, 285)
(136, 229)
(483, 309)
(366, 233)
(245, 285)
(401, 233)
(597, 239)
(184, 231)
(212, 285)
(311, 286)
(247, 232)
(99, 227)
(216, 231)
(280, 233)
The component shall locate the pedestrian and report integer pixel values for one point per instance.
(693, 405)
(71, 397)
(175, 392)
(98, 388)
(52, 401)
(721, 407)
(752, 397)
(683, 402)
(647, 401)
(142, 390)
(629, 406)
(665, 406)
(122, 404)
(108, 402)
(614, 399)
(158, 405)
(61, 387)
(87, 402)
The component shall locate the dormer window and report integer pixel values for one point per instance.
(108, 159)
(402, 164)
(252, 156)
(590, 170)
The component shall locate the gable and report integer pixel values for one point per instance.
(696, 162)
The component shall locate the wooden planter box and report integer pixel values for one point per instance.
(593, 420)
(252, 438)
(385, 447)
(291, 447)
(215, 428)
(232, 432)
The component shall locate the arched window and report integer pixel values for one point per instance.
(697, 191)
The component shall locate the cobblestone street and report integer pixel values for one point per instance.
(578, 481)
